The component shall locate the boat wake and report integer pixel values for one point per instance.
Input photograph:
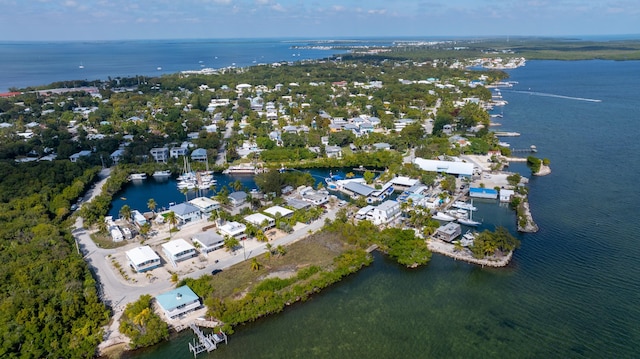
(556, 96)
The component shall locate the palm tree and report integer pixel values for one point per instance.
(185, 192)
(281, 250)
(213, 217)
(230, 243)
(172, 219)
(269, 247)
(151, 204)
(125, 212)
(255, 265)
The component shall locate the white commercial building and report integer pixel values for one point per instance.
(450, 167)
(143, 258)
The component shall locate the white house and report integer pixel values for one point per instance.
(506, 194)
(143, 258)
(385, 212)
(205, 204)
(185, 212)
(178, 302)
(178, 250)
(160, 154)
(208, 241)
(199, 154)
(176, 152)
(273, 211)
(234, 230)
(261, 221)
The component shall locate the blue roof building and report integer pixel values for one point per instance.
(478, 192)
(178, 302)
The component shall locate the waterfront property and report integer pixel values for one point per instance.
(143, 259)
(178, 250)
(448, 232)
(234, 230)
(185, 212)
(160, 154)
(178, 302)
(208, 241)
(479, 192)
(206, 205)
(506, 195)
(237, 198)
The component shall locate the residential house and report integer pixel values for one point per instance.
(385, 212)
(261, 221)
(160, 154)
(234, 230)
(176, 152)
(185, 212)
(205, 204)
(117, 155)
(143, 258)
(178, 302)
(237, 198)
(208, 241)
(333, 151)
(199, 154)
(76, 156)
(448, 232)
(506, 195)
(276, 211)
(178, 250)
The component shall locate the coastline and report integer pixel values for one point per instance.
(447, 249)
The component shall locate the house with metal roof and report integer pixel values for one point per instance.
(479, 192)
(208, 241)
(185, 212)
(206, 205)
(233, 229)
(448, 232)
(178, 302)
(237, 198)
(385, 212)
(143, 258)
(260, 221)
(199, 154)
(354, 188)
(178, 250)
(273, 211)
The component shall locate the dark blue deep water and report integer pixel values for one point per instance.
(573, 288)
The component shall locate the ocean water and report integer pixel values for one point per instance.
(573, 288)
(25, 64)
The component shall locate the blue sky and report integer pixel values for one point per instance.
(165, 19)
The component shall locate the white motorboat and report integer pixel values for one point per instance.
(441, 216)
(165, 173)
(464, 205)
(138, 176)
(469, 221)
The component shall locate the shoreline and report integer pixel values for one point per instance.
(446, 249)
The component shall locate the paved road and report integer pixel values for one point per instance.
(222, 154)
(116, 293)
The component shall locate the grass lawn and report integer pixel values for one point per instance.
(318, 249)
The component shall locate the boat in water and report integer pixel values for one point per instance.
(160, 174)
(138, 176)
(441, 216)
(469, 221)
(464, 205)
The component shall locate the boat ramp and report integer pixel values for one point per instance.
(205, 342)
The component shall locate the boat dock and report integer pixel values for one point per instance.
(205, 342)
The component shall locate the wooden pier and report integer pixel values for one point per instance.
(205, 342)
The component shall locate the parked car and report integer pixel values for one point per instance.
(216, 271)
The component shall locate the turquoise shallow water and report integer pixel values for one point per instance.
(573, 288)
